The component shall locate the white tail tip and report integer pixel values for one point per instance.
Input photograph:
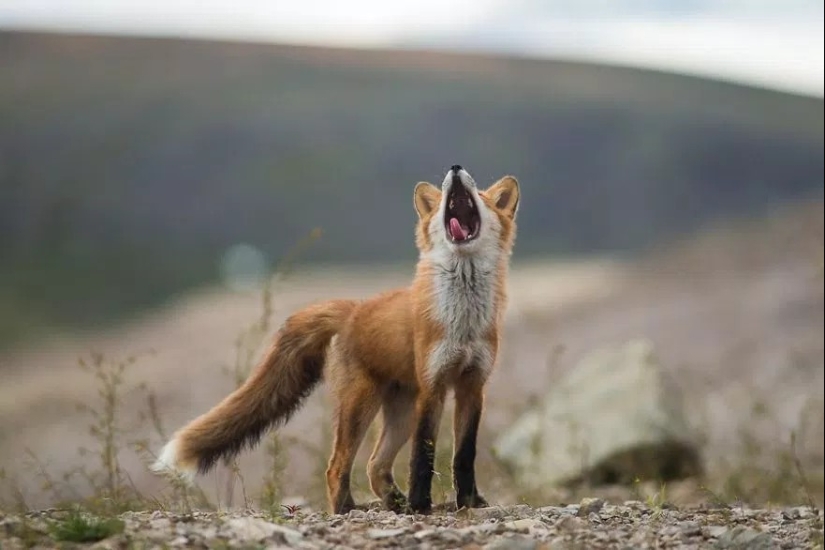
(168, 463)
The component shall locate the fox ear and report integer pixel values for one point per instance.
(505, 195)
(427, 197)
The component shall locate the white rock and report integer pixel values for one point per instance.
(613, 413)
(527, 524)
(249, 529)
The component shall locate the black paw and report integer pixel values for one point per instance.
(471, 501)
(420, 506)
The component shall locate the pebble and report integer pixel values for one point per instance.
(590, 506)
(376, 534)
(632, 525)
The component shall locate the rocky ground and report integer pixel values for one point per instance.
(590, 524)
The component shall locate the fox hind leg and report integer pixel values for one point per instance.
(397, 416)
(354, 413)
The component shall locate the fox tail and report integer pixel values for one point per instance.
(285, 377)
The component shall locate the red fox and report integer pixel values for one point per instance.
(398, 352)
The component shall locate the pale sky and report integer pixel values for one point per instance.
(775, 43)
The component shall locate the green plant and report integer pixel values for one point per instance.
(81, 527)
(109, 482)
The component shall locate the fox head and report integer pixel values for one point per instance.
(460, 219)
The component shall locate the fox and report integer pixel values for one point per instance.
(398, 352)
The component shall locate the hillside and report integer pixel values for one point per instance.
(128, 166)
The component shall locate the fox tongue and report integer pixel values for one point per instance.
(458, 233)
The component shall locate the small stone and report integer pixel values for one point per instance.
(523, 524)
(670, 531)
(745, 537)
(559, 543)
(571, 523)
(690, 529)
(425, 533)
(634, 505)
(291, 536)
(481, 528)
(357, 514)
(160, 524)
(377, 534)
(449, 535)
(804, 512)
(250, 529)
(716, 531)
(491, 512)
(513, 543)
(590, 506)
(552, 510)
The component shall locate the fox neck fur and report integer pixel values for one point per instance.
(464, 282)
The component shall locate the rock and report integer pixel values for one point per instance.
(690, 529)
(291, 536)
(179, 541)
(553, 510)
(513, 543)
(357, 514)
(249, 529)
(450, 535)
(558, 543)
(716, 531)
(613, 417)
(590, 506)
(744, 537)
(425, 533)
(491, 512)
(570, 523)
(377, 534)
(524, 524)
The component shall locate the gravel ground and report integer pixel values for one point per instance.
(590, 524)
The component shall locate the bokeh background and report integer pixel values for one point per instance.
(159, 161)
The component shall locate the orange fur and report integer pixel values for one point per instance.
(398, 353)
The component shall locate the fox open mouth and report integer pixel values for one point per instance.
(461, 217)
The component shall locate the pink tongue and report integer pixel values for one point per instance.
(458, 232)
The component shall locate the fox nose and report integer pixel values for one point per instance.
(456, 168)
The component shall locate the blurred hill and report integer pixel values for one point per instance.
(128, 166)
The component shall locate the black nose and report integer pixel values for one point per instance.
(456, 168)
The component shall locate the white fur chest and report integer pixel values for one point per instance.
(465, 306)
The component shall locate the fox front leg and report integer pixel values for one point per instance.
(469, 402)
(429, 406)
